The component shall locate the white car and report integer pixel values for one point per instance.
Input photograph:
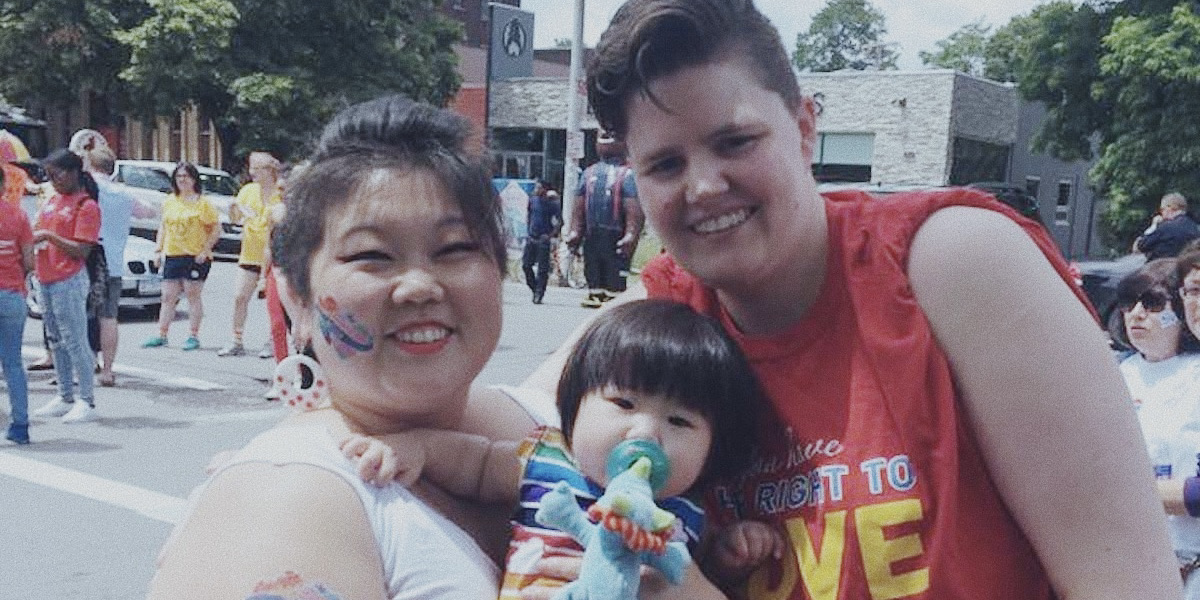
(149, 182)
(141, 284)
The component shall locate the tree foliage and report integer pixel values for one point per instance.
(51, 51)
(845, 34)
(269, 72)
(965, 50)
(1121, 83)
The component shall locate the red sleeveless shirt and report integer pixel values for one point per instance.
(877, 479)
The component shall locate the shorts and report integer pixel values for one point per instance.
(112, 299)
(185, 267)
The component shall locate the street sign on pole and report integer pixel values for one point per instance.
(574, 145)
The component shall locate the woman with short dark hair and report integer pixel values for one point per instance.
(186, 237)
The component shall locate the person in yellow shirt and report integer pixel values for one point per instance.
(253, 209)
(186, 238)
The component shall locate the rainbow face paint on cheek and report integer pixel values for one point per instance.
(341, 330)
(291, 586)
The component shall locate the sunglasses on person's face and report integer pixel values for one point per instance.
(1151, 301)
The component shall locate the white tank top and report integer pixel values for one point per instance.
(425, 555)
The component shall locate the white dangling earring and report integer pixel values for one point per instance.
(289, 378)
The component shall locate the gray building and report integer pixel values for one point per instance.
(911, 127)
(889, 128)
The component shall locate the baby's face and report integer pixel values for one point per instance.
(610, 416)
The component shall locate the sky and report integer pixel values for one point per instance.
(914, 24)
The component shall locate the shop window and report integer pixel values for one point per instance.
(1062, 206)
(976, 161)
(1033, 185)
(843, 157)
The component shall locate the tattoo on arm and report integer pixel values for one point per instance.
(291, 586)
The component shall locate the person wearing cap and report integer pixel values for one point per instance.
(253, 209)
(606, 221)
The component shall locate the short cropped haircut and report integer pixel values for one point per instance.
(648, 39)
(100, 159)
(1175, 200)
(666, 349)
(388, 133)
(191, 170)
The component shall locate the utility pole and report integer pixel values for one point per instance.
(574, 135)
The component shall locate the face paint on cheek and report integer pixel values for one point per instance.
(1167, 319)
(341, 330)
(291, 586)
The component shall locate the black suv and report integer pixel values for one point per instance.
(1015, 197)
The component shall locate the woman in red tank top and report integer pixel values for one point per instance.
(954, 426)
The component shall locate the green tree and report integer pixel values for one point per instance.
(52, 51)
(1120, 83)
(965, 50)
(1005, 46)
(1150, 77)
(270, 72)
(845, 34)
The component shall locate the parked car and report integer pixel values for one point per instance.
(149, 182)
(1012, 195)
(141, 284)
(1009, 194)
(1099, 279)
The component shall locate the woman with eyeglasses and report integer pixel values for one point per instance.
(186, 237)
(1164, 379)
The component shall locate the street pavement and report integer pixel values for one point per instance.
(86, 507)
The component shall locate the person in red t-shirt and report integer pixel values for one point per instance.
(955, 425)
(16, 259)
(68, 226)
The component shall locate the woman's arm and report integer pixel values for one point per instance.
(1171, 492)
(1050, 412)
(256, 522)
(73, 248)
(27, 257)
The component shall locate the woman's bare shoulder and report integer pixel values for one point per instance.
(256, 521)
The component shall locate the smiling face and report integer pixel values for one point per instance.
(724, 175)
(610, 416)
(405, 304)
(1191, 301)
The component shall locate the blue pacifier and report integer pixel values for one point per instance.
(628, 451)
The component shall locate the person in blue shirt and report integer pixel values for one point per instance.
(1170, 230)
(116, 211)
(545, 220)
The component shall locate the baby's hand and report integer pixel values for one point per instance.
(401, 459)
(742, 547)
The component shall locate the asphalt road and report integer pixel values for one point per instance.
(86, 507)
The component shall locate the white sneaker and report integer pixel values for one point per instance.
(82, 412)
(268, 351)
(54, 408)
